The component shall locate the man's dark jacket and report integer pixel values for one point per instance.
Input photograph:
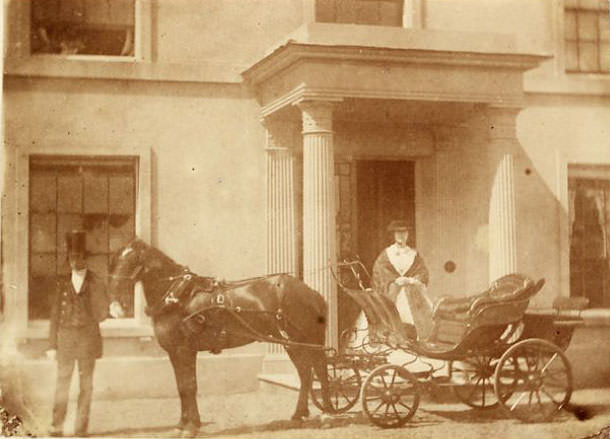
(77, 316)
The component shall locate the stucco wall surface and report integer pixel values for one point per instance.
(207, 158)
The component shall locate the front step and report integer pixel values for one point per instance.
(143, 377)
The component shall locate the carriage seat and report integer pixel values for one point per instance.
(509, 288)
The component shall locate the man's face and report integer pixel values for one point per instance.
(76, 260)
(401, 236)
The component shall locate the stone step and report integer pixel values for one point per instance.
(140, 377)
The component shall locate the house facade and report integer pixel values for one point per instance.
(244, 138)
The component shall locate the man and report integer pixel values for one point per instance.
(74, 336)
(399, 271)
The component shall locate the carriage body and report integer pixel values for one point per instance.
(494, 351)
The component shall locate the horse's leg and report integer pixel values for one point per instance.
(300, 359)
(184, 361)
(319, 361)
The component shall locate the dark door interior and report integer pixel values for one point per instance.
(385, 192)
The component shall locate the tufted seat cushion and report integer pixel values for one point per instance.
(512, 287)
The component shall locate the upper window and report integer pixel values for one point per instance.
(587, 30)
(84, 27)
(375, 12)
(89, 193)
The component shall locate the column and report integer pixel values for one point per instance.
(319, 231)
(280, 207)
(502, 212)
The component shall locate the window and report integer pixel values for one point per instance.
(91, 193)
(374, 12)
(589, 195)
(87, 27)
(587, 31)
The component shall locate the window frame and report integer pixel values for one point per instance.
(411, 15)
(17, 302)
(563, 162)
(47, 165)
(142, 37)
(562, 41)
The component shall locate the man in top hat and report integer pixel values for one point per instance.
(399, 271)
(74, 337)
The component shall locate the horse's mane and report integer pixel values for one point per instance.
(139, 244)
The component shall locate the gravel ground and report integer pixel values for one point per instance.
(265, 414)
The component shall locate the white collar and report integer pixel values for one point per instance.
(401, 258)
(78, 279)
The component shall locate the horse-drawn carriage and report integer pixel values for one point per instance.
(492, 351)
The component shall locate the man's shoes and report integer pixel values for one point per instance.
(81, 434)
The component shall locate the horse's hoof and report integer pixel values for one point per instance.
(300, 417)
(189, 430)
(325, 420)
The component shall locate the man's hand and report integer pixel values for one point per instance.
(116, 310)
(51, 354)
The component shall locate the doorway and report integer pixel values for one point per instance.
(385, 192)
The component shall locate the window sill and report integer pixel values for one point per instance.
(39, 329)
(87, 58)
(596, 317)
(105, 67)
(569, 83)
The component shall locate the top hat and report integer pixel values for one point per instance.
(76, 242)
(398, 226)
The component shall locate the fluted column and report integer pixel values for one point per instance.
(281, 227)
(319, 231)
(281, 236)
(502, 212)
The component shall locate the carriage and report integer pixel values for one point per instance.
(488, 349)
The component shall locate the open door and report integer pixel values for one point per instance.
(386, 191)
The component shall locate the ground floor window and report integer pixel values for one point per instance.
(96, 194)
(589, 211)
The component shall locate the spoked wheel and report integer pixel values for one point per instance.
(475, 378)
(343, 385)
(534, 379)
(390, 396)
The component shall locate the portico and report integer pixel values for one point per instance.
(447, 101)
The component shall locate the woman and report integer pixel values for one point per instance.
(399, 271)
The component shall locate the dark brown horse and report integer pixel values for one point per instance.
(192, 313)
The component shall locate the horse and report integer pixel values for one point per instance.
(191, 313)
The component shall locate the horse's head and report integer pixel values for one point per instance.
(128, 265)
(138, 261)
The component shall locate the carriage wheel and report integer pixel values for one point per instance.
(534, 378)
(390, 396)
(343, 385)
(476, 374)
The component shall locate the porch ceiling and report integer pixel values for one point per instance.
(336, 62)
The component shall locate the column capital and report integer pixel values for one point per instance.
(282, 134)
(502, 122)
(317, 116)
